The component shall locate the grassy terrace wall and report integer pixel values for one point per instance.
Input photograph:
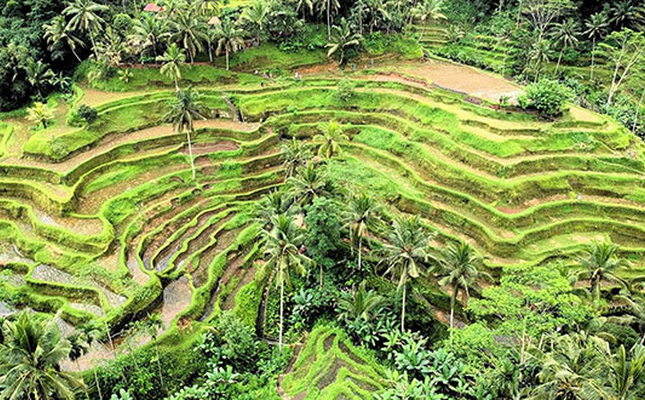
(105, 223)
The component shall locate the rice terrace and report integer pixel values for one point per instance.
(327, 199)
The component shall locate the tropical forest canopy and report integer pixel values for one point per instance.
(322, 199)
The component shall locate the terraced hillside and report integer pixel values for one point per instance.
(104, 222)
(328, 366)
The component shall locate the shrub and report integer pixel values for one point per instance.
(87, 113)
(548, 97)
(345, 90)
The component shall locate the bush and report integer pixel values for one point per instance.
(548, 97)
(87, 113)
(345, 90)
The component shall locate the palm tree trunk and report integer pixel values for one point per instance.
(453, 299)
(227, 64)
(557, 66)
(403, 309)
(638, 109)
(190, 153)
(593, 56)
(93, 45)
(321, 275)
(328, 19)
(281, 314)
(176, 84)
(75, 55)
(158, 362)
(98, 386)
(360, 248)
(78, 368)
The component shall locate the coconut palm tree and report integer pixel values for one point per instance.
(38, 75)
(189, 31)
(57, 36)
(85, 17)
(40, 114)
(86, 336)
(599, 263)
(283, 256)
(329, 145)
(273, 204)
(359, 303)
(404, 253)
(624, 12)
(329, 7)
(295, 154)
(569, 370)
(150, 31)
(307, 184)
(625, 369)
(255, 17)
(30, 358)
(566, 33)
(597, 26)
(459, 269)
(303, 5)
(428, 10)
(341, 39)
(182, 114)
(230, 39)
(539, 55)
(362, 215)
(172, 59)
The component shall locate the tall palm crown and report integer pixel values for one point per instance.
(272, 205)
(30, 358)
(460, 268)
(256, 16)
(342, 38)
(359, 303)
(189, 31)
(149, 31)
(329, 140)
(405, 253)
(362, 214)
(172, 59)
(57, 35)
(597, 26)
(428, 10)
(566, 33)
(624, 12)
(600, 263)
(184, 110)
(85, 17)
(283, 257)
(295, 154)
(230, 39)
(308, 183)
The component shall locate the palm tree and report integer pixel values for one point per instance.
(271, 205)
(341, 39)
(569, 369)
(459, 269)
(625, 370)
(405, 253)
(189, 31)
(85, 18)
(538, 55)
(565, 33)
(308, 183)
(256, 16)
(40, 114)
(172, 59)
(361, 215)
(624, 12)
(79, 346)
(328, 6)
(183, 112)
(428, 10)
(304, 4)
(282, 249)
(600, 263)
(86, 335)
(149, 31)
(30, 358)
(229, 39)
(329, 140)
(361, 303)
(295, 154)
(597, 26)
(57, 35)
(38, 75)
